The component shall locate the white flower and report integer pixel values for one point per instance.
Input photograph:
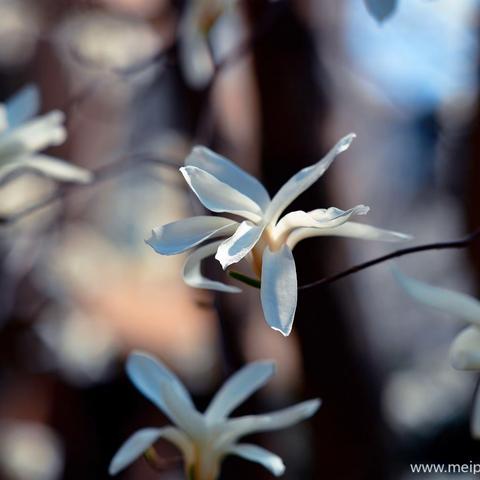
(22, 136)
(465, 349)
(205, 439)
(263, 238)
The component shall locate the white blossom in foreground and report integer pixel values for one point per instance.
(465, 349)
(205, 439)
(263, 238)
(22, 136)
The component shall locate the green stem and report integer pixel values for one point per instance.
(252, 282)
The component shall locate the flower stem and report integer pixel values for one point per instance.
(252, 282)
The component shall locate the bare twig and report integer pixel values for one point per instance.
(461, 243)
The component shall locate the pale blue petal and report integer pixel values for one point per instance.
(24, 105)
(229, 173)
(279, 289)
(238, 388)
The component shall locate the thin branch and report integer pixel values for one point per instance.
(462, 243)
(101, 174)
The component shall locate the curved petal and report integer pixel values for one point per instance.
(235, 248)
(182, 413)
(217, 196)
(465, 349)
(142, 440)
(192, 274)
(238, 388)
(148, 375)
(321, 218)
(176, 237)
(229, 173)
(303, 180)
(279, 289)
(55, 168)
(24, 105)
(238, 427)
(475, 418)
(448, 301)
(349, 230)
(253, 453)
(35, 135)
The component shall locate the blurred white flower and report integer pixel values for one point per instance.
(22, 136)
(465, 349)
(83, 348)
(30, 451)
(262, 238)
(205, 439)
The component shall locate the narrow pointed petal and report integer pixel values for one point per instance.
(35, 135)
(148, 375)
(229, 173)
(50, 167)
(192, 273)
(279, 289)
(253, 453)
(475, 418)
(24, 105)
(321, 218)
(239, 244)
(179, 236)
(238, 427)
(465, 349)
(217, 196)
(142, 440)
(455, 303)
(238, 388)
(182, 413)
(303, 180)
(349, 230)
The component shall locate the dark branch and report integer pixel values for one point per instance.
(462, 243)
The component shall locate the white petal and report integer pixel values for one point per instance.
(475, 418)
(448, 301)
(35, 135)
(238, 427)
(179, 236)
(192, 274)
(279, 289)
(142, 440)
(229, 173)
(321, 218)
(381, 9)
(303, 180)
(3, 118)
(49, 167)
(148, 375)
(256, 454)
(239, 244)
(238, 388)
(349, 230)
(182, 413)
(465, 349)
(217, 196)
(24, 105)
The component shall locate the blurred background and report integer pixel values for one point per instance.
(79, 288)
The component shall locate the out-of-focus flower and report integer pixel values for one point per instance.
(20, 26)
(465, 349)
(381, 9)
(205, 439)
(266, 239)
(30, 451)
(22, 136)
(83, 348)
